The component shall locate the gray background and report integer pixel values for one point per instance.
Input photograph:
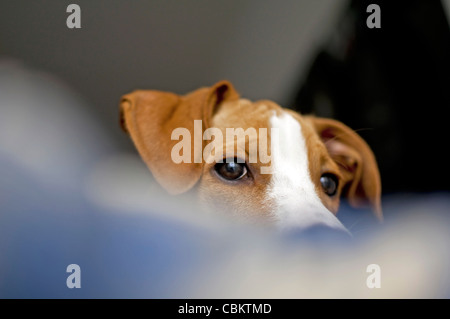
(263, 47)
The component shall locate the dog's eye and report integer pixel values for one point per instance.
(231, 171)
(329, 184)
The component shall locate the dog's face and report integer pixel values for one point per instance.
(287, 169)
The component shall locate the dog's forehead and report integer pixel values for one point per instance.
(244, 114)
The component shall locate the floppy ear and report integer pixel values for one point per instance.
(356, 161)
(151, 116)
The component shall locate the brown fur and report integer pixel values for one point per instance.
(150, 117)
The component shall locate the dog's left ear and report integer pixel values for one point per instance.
(150, 117)
(362, 183)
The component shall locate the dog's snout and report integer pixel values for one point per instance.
(320, 232)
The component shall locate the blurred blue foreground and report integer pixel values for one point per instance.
(67, 196)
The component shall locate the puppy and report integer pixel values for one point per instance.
(293, 178)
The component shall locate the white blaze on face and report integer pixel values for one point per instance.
(297, 205)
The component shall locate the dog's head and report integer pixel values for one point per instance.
(252, 159)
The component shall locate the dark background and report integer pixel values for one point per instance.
(391, 84)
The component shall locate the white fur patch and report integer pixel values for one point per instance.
(297, 203)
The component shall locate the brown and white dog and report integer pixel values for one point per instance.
(314, 161)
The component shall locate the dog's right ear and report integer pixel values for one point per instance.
(150, 118)
(356, 162)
